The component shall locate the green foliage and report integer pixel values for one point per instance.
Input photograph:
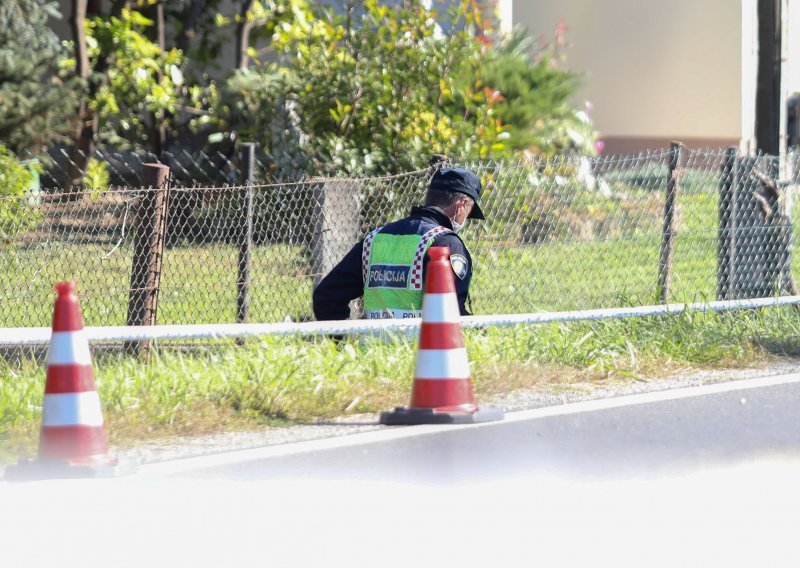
(376, 90)
(97, 177)
(16, 181)
(144, 88)
(193, 24)
(266, 17)
(36, 104)
(536, 94)
(279, 380)
(379, 89)
(258, 110)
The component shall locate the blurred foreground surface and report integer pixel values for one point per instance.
(696, 477)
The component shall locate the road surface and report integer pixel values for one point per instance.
(693, 477)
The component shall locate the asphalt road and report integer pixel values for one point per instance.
(692, 477)
(659, 436)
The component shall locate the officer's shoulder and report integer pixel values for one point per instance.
(399, 226)
(449, 237)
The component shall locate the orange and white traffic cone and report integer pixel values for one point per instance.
(73, 441)
(442, 390)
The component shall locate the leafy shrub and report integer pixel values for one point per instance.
(36, 102)
(372, 91)
(16, 182)
(97, 178)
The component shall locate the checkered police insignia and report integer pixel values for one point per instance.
(366, 252)
(419, 256)
(460, 265)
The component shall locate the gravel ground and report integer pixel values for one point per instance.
(515, 401)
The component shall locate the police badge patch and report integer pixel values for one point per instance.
(460, 265)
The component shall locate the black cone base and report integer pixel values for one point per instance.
(403, 415)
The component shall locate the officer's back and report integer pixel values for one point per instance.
(387, 268)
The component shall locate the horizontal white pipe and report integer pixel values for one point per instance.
(41, 335)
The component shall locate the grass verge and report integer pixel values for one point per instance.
(278, 381)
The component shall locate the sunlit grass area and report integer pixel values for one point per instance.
(608, 257)
(283, 380)
(198, 284)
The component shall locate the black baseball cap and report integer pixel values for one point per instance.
(460, 180)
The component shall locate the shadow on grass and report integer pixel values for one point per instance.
(784, 347)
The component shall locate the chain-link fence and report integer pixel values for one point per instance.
(561, 234)
(209, 167)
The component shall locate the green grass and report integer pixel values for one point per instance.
(283, 380)
(615, 266)
(584, 275)
(198, 284)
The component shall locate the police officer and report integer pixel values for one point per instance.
(388, 266)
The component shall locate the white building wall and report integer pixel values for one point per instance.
(653, 70)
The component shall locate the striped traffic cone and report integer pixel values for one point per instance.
(73, 441)
(442, 390)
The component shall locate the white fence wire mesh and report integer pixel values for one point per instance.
(562, 234)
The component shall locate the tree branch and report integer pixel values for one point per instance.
(243, 35)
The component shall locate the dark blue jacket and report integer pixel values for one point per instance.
(345, 282)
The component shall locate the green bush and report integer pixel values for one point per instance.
(16, 182)
(36, 103)
(369, 92)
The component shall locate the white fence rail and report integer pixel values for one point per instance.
(23, 336)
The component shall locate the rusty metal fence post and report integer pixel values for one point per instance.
(148, 250)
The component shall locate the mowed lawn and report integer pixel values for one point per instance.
(198, 282)
(200, 388)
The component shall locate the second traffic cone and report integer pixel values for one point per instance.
(442, 390)
(73, 440)
(72, 420)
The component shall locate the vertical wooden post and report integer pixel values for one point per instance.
(148, 249)
(726, 234)
(247, 160)
(668, 233)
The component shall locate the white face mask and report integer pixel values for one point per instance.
(456, 225)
